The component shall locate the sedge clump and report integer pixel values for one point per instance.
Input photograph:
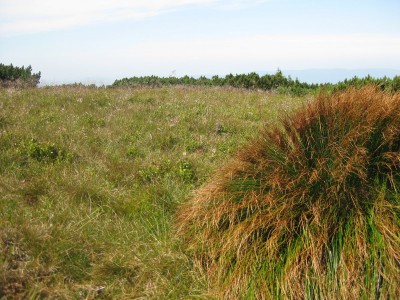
(309, 209)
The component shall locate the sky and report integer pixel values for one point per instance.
(98, 41)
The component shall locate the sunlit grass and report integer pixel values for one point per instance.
(309, 209)
(90, 181)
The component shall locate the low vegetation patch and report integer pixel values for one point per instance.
(45, 152)
(309, 209)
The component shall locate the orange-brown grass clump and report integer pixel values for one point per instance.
(310, 209)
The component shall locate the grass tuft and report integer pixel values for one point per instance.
(309, 209)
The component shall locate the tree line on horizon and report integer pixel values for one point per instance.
(13, 76)
(278, 81)
(248, 81)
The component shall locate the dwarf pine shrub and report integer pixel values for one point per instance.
(310, 209)
(13, 76)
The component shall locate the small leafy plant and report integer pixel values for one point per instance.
(46, 152)
(186, 172)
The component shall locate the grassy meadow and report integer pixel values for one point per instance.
(91, 180)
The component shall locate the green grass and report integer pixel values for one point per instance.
(91, 179)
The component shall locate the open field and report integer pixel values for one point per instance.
(90, 180)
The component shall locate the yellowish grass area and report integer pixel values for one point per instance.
(90, 180)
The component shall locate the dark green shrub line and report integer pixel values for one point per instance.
(248, 81)
(384, 83)
(13, 76)
(277, 81)
(18, 76)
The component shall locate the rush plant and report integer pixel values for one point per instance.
(309, 209)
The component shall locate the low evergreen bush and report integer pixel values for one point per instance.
(12, 76)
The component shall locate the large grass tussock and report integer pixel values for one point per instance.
(310, 209)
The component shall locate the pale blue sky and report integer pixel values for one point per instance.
(102, 40)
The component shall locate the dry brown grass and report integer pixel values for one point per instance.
(310, 209)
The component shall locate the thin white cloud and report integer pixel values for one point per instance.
(237, 4)
(32, 16)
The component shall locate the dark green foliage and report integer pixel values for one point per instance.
(18, 76)
(277, 81)
(248, 81)
(385, 83)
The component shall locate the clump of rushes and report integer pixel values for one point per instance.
(310, 209)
